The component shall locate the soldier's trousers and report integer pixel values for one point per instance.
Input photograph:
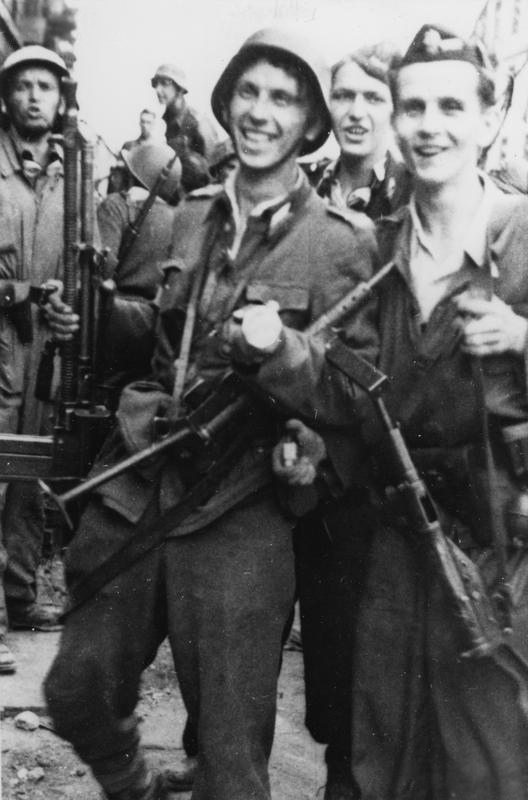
(223, 596)
(429, 722)
(331, 555)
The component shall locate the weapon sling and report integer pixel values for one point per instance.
(147, 537)
(459, 575)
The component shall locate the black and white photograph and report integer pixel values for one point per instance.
(263, 399)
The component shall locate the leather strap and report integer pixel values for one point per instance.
(151, 534)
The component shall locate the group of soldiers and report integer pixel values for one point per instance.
(397, 517)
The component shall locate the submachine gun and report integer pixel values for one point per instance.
(487, 632)
(82, 418)
(225, 404)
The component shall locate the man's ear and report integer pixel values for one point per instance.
(492, 119)
(62, 106)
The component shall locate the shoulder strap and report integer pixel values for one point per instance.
(149, 533)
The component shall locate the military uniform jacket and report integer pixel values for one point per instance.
(300, 254)
(31, 247)
(434, 390)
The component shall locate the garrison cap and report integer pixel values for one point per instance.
(278, 41)
(33, 54)
(433, 43)
(172, 73)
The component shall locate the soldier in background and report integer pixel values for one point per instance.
(147, 130)
(31, 250)
(135, 260)
(367, 175)
(331, 559)
(186, 129)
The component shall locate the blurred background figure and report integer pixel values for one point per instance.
(136, 253)
(186, 129)
(119, 177)
(147, 130)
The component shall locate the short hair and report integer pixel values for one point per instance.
(375, 60)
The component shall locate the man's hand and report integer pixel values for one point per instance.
(490, 327)
(59, 316)
(253, 333)
(303, 470)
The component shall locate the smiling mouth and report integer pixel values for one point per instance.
(428, 152)
(355, 131)
(256, 138)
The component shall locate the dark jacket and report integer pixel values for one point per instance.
(386, 195)
(434, 386)
(186, 130)
(305, 257)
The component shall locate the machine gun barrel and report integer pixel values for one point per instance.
(186, 431)
(70, 134)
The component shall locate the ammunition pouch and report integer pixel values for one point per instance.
(20, 317)
(15, 304)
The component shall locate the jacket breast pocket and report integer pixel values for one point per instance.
(293, 300)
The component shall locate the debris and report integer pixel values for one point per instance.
(36, 774)
(27, 721)
(22, 774)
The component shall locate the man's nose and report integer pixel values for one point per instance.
(34, 93)
(430, 118)
(357, 107)
(259, 107)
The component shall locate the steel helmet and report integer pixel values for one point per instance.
(33, 54)
(279, 41)
(145, 162)
(172, 73)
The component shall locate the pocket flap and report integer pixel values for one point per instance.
(292, 298)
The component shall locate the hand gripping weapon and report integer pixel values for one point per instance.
(81, 419)
(462, 581)
(219, 409)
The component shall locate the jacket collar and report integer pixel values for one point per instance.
(12, 154)
(478, 243)
(275, 214)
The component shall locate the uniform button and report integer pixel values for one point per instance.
(225, 350)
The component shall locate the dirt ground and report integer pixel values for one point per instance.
(37, 765)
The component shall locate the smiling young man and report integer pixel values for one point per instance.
(436, 717)
(221, 582)
(366, 176)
